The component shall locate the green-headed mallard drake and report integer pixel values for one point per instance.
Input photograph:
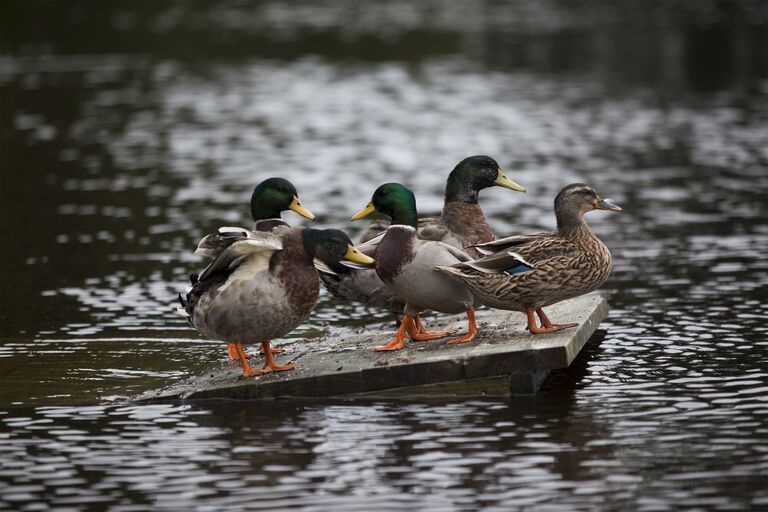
(269, 199)
(406, 264)
(461, 224)
(262, 286)
(566, 263)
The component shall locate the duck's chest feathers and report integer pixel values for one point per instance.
(394, 252)
(298, 278)
(592, 265)
(467, 222)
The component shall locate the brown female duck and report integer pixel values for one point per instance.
(566, 263)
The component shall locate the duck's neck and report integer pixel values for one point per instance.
(262, 211)
(570, 223)
(268, 224)
(467, 221)
(459, 191)
(405, 216)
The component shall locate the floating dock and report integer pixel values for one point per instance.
(504, 359)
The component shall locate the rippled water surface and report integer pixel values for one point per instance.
(129, 129)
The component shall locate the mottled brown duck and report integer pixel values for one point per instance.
(566, 263)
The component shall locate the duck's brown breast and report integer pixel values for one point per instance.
(394, 251)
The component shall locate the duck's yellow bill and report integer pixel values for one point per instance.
(296, 207)
(369, 209)
(358, 257)
(503, 181)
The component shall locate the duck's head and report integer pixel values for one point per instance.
(332, 247)
(273, 196)
(577, 199)
(473, 174)
(395, 200)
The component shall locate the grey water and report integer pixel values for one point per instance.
(130, 129)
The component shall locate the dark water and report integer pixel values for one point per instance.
(131, 128)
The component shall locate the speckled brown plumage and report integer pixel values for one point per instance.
(567, 263)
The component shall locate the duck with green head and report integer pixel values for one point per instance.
(566, 263)
(406, 264)
(262, 286)
(461, 224)
(269, 199)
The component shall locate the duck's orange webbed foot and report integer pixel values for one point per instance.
(418, 332)
(269, 363)
(272, 350)
(547, 326)
(233, 354)
(397, 342)
(472, 329)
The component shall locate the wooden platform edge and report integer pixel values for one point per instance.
(474, 374)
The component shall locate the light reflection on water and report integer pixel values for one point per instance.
(125, 159)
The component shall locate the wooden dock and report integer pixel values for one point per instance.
(504, 358)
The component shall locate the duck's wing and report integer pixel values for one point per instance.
(534, 247)
(213, 244)
(239, 247)
(508, 262)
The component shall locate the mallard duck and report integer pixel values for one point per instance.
(406, 264)
(262, 286)
(566, 263)
(269, 199)
(461, 224)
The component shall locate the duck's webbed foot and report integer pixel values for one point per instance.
(397, 342)
(547, 325)
(233, 354)
(269, 363)
(472, 328)
(417, 331)
(272, 350)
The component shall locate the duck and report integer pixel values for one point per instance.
(262, 285)
(560, 265)
(406, 264)
(461, 224)
(269, 199)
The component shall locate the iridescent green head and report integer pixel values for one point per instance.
(395, 200)
(273, 196)
(473, 174)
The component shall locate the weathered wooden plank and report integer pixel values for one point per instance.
(344, 363)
